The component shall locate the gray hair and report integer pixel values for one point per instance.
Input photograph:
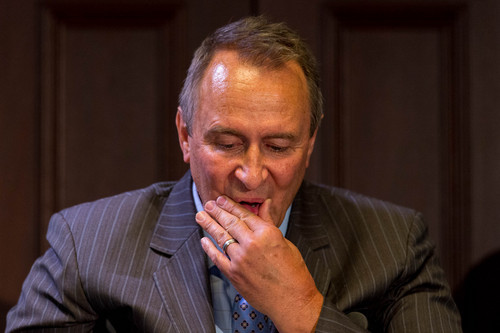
(262, 44)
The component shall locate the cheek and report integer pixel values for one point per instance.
(288, 173)
(213, 169)
(287, 178)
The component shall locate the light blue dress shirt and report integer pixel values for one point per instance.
(223, 291)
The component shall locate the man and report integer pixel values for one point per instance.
(247, 121)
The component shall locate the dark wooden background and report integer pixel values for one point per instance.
(88, 94)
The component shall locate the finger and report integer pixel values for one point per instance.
(265, 211)
(251, 220)
(234, 208)
(227, 243)
(217, 257)
(220, 236)
(214, 229)
(229, 222)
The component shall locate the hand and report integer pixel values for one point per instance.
(266, 268)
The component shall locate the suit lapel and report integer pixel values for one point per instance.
(307, 231)
(183, 282)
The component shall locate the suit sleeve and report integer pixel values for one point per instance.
(419, 300)
(52, 295)
(333, 320)
(422, 297)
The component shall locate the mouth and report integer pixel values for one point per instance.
(251, 206)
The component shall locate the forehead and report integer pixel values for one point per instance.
(230, 80)
(229, 64)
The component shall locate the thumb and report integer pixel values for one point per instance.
(265, 211)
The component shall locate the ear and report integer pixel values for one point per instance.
(182, 132)
(310, 147)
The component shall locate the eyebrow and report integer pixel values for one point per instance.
(216, 130)
(222, 130)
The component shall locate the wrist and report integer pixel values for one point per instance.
(301, 319)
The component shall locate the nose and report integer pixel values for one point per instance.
(252, 171)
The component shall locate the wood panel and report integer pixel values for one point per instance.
(398, 131)
(18, 152)
(485, 122)
(88, 99)
(110, 80)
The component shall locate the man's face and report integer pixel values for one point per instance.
(250, 134)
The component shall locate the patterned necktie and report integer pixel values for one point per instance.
(248, 319)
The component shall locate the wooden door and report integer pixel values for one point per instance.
(396, 108)
(88, 96)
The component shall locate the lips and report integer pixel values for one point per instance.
(251, 206)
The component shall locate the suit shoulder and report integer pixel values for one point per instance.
(123, 203)
(354, 218)
(160, 189)
(350, 200)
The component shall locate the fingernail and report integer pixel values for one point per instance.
(210, 205)
(221, 201)
(200, 217)
(204, 242)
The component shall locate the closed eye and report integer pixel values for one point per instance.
(278, 149)
(228, 144)
(225, 146)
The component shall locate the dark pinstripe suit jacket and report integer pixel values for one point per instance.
(136, 260)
